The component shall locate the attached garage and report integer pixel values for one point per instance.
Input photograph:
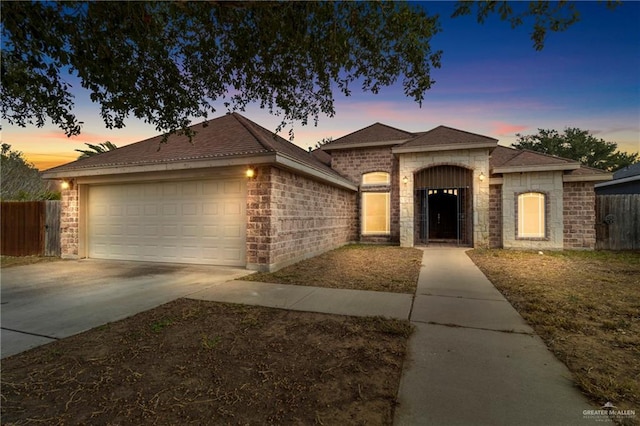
(199, 221)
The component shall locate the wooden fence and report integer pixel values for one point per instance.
(30, 228)
(618, 222)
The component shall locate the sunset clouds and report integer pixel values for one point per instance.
(492, 82)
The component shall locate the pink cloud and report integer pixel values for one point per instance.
(505, 129)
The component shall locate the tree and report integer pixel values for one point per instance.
(20, 179)
(578, 145)
(95, 149)
(169, 62)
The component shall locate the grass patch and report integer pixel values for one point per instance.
(212, 363)
(355, 266)
(586, 307)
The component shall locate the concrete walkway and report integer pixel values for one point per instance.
(473, 360)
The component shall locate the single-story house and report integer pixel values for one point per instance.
(239, 195)
(625, 181)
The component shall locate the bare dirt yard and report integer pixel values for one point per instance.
(586, 307)
(355, 266)
(196, 362)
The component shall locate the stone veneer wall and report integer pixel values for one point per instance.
(495, 216)
(474, 159)
(353, 163)
(292, 217)
(579, 202)
(69, 214)
(548, 183)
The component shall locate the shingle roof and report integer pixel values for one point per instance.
(228, 136)
(376, 132)
(524, 157)
(504, 157)
(625, 172)
(443, 135)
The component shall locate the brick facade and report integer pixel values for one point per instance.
(579, 215)
(69, 214)
(476, 160)
(353, 163)
(548, 183)
(495, 216)
(292, 217)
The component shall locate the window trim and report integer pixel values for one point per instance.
(543, 209)
(386, 182)
(363, 216)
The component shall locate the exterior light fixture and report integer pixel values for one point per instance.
(250, 173)
(65, 185)
(481, 177)
(405, 180)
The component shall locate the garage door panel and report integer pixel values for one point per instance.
(189, 222)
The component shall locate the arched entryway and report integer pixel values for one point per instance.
(444, 205)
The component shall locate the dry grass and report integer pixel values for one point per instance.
(10, 261)
(196, 362)
(586, 306)
(357, 266)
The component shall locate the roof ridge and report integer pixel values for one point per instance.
(463, 131)
(371, 125)
(249, 125)
(549, 155)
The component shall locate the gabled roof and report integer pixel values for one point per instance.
(231, 136)
(445, 138)
(511, 160)
(377, 134)
(505, 160)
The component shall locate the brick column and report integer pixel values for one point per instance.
(69, 223)
(579, 215)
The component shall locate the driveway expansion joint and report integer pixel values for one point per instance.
(30, 334)
(474, 328)
(464, 297)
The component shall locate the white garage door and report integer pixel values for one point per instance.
(185, 222)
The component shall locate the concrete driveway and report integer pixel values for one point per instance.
(44, 302)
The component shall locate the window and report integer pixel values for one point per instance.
(375, 213)
(531, 215)
(376, 178)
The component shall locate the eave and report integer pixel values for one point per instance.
(356, 145)
(538, 168)
(443, 147)
(274, 158)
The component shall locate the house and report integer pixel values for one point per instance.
(625, 181)
(239, 195)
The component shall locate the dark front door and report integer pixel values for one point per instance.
(443, 214)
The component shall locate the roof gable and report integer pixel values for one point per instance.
(222, 138)
(512, 160)
(375, 134)
(445, 138)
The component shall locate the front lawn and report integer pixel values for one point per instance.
(197, 362)
(355, 266)
(586, 307)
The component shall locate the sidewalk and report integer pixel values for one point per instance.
(473, 360)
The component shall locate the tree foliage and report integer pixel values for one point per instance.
(96, 149)
(20, 180)
(578, 145)
(169, 62)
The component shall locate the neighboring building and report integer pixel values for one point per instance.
(625, 181)
(194, 202)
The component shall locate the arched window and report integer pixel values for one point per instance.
(376, 178)
(531, 215)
